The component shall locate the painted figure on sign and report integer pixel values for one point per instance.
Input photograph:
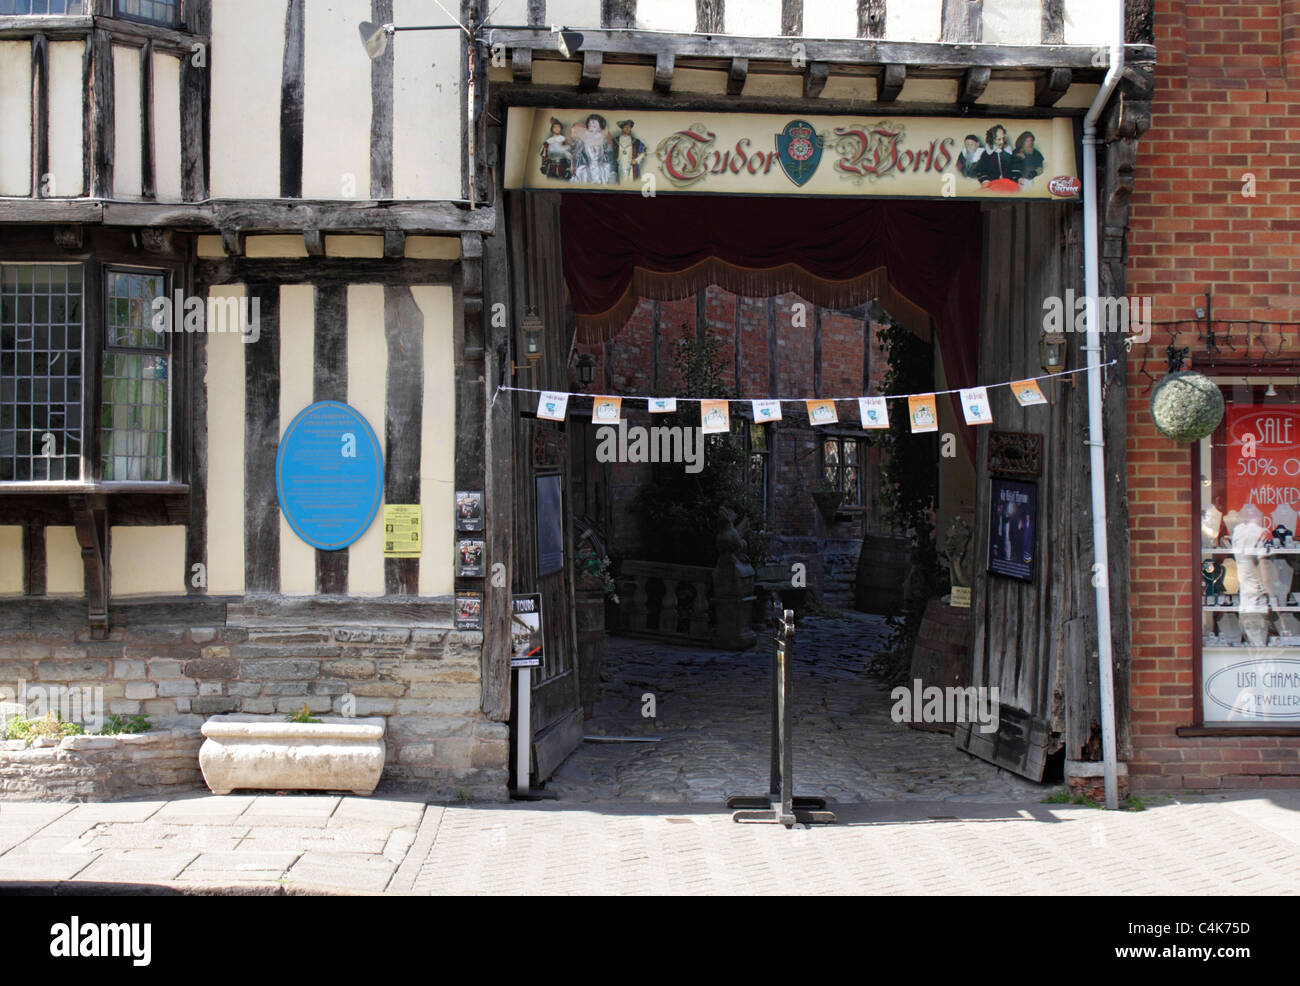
(970, 156)
(593, 153)
(994, 169)
(631, 152)
(1026, 161)
(557, 153)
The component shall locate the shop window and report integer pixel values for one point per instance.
(135, 411)
(164, 12)
(1249, 482)
(42, 7)
(752, 437)
(842, 467)
(40, 372)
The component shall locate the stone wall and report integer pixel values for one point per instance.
(423, 680)
(98, 768)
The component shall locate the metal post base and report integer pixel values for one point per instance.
(802, 811)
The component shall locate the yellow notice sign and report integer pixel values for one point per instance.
(401, 530)
(960, 596)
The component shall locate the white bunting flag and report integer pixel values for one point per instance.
(662, 405)
(552, 405)
(874, 412)
(975, 406)
(767, 411)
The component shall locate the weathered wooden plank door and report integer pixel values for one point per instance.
(543, 523)
(1031, 639)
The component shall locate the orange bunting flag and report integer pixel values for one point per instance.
(604, 410)
(1027, 392)
(922, 412)
(821, 412)
(715, 416)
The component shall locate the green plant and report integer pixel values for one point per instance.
(302, 715)
(114, 724)
(51, 726)
(680, 509)
(1186, 406)
(463, 795)
(594, 569)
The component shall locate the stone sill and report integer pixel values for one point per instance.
(1194, 732)
(116, 741)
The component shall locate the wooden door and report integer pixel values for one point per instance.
(543, 521)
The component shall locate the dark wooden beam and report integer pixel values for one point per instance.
(664, 62)
(291, 100)
(403, 425)
(814, 79)
(963, 20)
(1051, 86)
(791, 18)
(40, 114)
(69, 237)
(195, 109)
(89, 513)
(842, 52)
(618, 13)
(101, 117)
(521, 64)
(394, 244)
(1053, 32)
(261, 440)
(314, 242)
(736, 75)
(324, 270)
(381, 110)
(871, 18)
(232, 242)
(33, 558)
(710, 16)
(278, 215)
(890, 83)
(591, 65)
(973, 83)
(148, 184)
(330, 383)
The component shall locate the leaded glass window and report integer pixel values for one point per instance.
(135, 414)
(40, 372)
(842, 467)
(165, 12)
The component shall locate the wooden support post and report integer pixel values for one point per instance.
(736, 76)
(664, 62)
(591, 66)
(973, 83)
(1051, 86)
(90, 517)
(814, 79)
(890, 83)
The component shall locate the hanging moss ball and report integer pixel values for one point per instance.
(1186, 406)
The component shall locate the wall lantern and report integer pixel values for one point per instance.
(586, 369)
(531, 327)
(375, 36)
(1053, 348)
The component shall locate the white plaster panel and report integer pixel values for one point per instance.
(661, 15)
(914, 20)
(225, 384)
(1089, 22)
(127, 170)
(830, 19)
(65, 574)
(428, 142)
(367, 393)
(753, 18)
(297, 351)
(167, 127)
(66, 129)
(11, 560)
(245, 157)
(147, 560)
(15, 118)
(337, 103)
(438, 440)
(1013, 22)
(586, 13)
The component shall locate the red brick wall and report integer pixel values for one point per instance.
(1227, 105)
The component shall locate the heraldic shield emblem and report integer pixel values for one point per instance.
(799, 149)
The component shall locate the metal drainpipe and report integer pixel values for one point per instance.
(1096, 439)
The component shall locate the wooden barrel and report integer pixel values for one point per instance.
(590, 614)
(882, 570)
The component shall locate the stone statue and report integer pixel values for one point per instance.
(956, 550)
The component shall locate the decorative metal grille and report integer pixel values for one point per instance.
(40, 372)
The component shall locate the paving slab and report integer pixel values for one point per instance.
(350, 871)
(138, 866)
(239, 866)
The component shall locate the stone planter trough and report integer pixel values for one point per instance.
(267, 753)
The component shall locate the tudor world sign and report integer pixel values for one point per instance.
(762, 154)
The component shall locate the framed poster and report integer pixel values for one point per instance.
(469, 611)
(469, 557)
(550, 525)
(469, 510)
(526, 631)
(1013, 528)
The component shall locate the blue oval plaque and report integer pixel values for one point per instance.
(329, 475)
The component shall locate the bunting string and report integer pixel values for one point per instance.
(804, 400)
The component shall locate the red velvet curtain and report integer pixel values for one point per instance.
(833, 252)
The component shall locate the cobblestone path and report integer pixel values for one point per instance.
(713, 723)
